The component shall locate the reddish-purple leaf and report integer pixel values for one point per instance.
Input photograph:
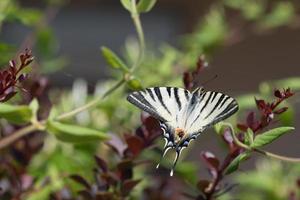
(135, 144)
(101, 163)
(281, 110)
(125, 169)
(116, 144)
(278, 94)
(242, 127)
(127, 186)
(105, 196)
(203, 185)
(211, 160)
(81, 180)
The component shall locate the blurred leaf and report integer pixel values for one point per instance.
(128, 185)
(265, 88)
(135, 144)
(113, 60)
(101, 163)
(30, 16)
(210, 159)
(281, 14)
(202, 185)
(7, 51)
(53, 64)
(249, 136)
(250, 9)
(145, 5)
(126, 4)
(34, 106)
(134, 84)
(74, 133)
(292, 82)
(188, 171)
(81, 180)
(287, 118)
(269, 136)
(234, 165)
(46, 43)
(247, 101)
(15, 114)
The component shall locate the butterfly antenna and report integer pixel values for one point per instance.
(175, 162)
(211, 79)
(166, 149)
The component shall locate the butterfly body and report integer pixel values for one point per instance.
(183, 115)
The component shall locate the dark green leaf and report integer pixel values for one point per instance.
(269, 136)
(15, 114)
(234, 165)
(74, 133)
(113, 60)
(145, 5)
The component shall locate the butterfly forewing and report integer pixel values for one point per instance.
(164, 103)
(212, 108)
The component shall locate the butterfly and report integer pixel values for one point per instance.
(183, 115)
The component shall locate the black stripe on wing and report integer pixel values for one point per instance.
(138, 99)
(220, 108)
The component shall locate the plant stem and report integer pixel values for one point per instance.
(39, 124)
(138, 26)
(92, 103)
(266, 153)
(276, 156)
(18, 134)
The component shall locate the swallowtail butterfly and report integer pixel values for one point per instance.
(183, 115)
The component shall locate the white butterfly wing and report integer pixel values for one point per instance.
(164, 103)
(210, 108)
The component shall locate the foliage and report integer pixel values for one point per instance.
(53, 146)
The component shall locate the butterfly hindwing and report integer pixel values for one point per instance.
(164, 103)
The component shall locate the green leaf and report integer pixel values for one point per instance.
(249, 136)
(34, 106)
(234, 165)
(292, 82)
(134, 84)
(282, 13)
(74, 133)
(145, 5)
(126, 4)
(113, 60)
(269, 136)
(15, 114)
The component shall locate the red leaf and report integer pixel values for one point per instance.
(125, 169)
(281, 110)
(135, 144)
(242, 127)
(127, 186)
(211, 160)
(203, 185)
(81, 180)
(101, 163)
